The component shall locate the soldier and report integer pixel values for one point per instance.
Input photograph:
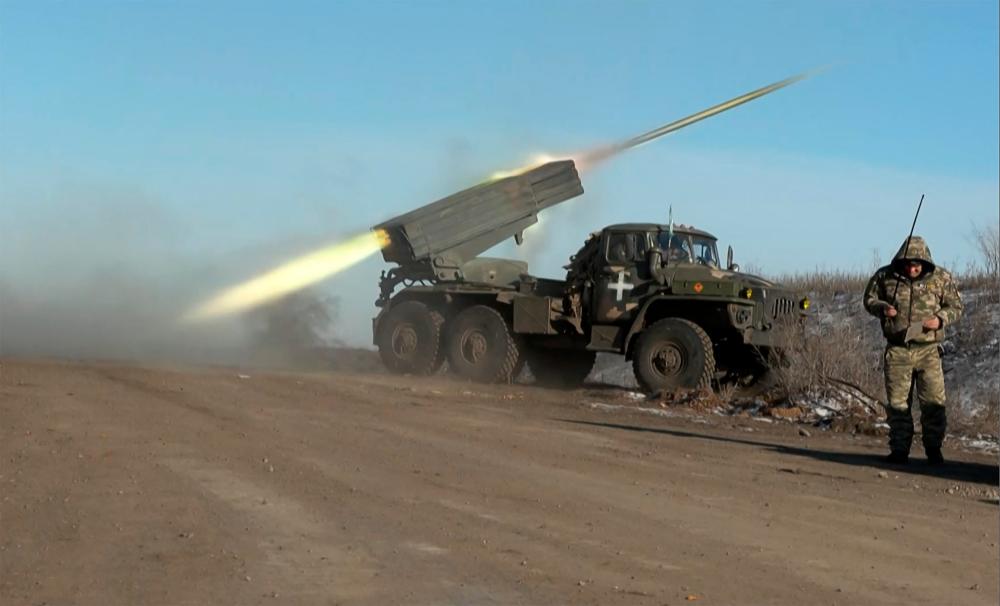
(915, 300)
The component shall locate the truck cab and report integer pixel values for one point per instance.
(640, 258)
(714, 322)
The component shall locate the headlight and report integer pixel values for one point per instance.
(804, 303)
(747, 293)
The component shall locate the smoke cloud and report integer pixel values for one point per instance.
(99, 272)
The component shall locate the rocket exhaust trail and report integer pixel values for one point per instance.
(591, 157)
(290, 277)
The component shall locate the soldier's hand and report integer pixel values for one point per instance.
(890, 312)
(932, 323)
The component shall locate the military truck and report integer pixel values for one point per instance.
(657, 294)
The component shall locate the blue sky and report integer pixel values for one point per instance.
(201, 142)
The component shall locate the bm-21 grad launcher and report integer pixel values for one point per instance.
(657, 294)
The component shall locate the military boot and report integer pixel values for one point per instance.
(899, 457)
(934, 456)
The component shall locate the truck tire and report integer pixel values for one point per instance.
(560, 368)
(409, 339)
(481, 346)
(673, 354)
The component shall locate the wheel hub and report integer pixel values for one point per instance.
(668, 360)
(473, 346)
(404, 340)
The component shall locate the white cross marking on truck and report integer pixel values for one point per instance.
(622, 285)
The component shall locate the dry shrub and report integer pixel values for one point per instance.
(975, 279)
(830, 359)
(977, 328)
(985, 420)
(726, 393)
(984, 274)
(987, 241)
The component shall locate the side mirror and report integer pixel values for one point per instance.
(729, 260)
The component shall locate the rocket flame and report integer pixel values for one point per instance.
(536, 161)
(296, 274)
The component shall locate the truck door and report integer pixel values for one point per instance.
(622, 279)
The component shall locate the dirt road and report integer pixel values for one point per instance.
(124, 485)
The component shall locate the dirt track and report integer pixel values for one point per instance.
(127, 485)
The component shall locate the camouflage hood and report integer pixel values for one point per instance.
(916, 251)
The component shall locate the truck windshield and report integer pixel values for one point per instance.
(688, 247)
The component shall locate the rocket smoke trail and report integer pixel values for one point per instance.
(589, 158)
(606, 152)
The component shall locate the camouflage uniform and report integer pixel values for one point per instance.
(912, 359)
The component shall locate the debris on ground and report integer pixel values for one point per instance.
(838, 408)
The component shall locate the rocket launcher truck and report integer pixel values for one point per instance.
(656, 294)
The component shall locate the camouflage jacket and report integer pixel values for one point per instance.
(932, 293)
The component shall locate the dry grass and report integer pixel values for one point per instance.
(984, 273)
(825, 282)
(831, 359)
(985, 421)
(977, 327)
(974, 278)
(987, 241)
(726, 393)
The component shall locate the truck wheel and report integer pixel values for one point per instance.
(409, 339)
(481, 346)
(560, 368)
(673, 354)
